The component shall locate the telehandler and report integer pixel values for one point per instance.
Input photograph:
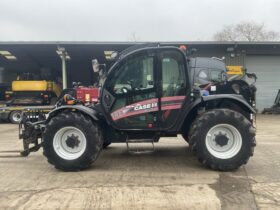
(146, 94)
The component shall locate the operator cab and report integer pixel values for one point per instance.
(146, 89)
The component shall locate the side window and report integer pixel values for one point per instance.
(134, 75)
(202, 77)
(216, 75)
(173, 74)
(203, 74)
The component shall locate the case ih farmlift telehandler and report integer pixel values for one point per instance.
(145, 95)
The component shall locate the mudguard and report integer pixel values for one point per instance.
(202, 99)
(234, 97)
(86, 110)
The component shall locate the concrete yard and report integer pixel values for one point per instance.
(170, 178)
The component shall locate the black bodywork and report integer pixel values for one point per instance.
(185, 105)
(207, 72)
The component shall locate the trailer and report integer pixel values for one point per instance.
(13, 114)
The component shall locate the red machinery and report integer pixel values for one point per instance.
(87, 94)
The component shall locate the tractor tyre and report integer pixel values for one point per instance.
(72, 141)
(222, 139)
(15, 117)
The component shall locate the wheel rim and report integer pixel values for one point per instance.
(69, 143)
(16, 117)
(223, 141)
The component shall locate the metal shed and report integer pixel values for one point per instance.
(260, 57)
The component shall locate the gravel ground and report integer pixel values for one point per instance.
(170, 178)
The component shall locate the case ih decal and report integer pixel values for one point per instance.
(141, 107)
(151, 105)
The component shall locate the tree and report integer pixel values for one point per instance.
(246, 31)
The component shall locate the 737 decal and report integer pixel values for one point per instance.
(151, 105)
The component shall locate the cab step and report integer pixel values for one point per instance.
(140, 150)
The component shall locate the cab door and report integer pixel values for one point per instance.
(130, 93)
(174, 86)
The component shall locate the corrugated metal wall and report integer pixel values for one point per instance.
(237, 59)
(267, 69)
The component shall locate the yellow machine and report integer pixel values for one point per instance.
(36, 86)
(29, 85)
(25, 91)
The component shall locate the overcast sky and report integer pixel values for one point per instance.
(123, 20)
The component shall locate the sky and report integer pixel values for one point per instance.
(129, 20)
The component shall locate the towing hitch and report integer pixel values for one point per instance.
(30, 131)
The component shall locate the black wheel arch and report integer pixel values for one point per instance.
(233, 105)
(230, 101)
(93, 114)
(233, 98)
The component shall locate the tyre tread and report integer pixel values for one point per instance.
(83, 120)
(201, 122)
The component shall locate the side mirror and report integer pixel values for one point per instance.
(95, 65)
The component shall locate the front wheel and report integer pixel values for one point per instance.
(71, 141)
(222, 139)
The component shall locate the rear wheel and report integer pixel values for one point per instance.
(15, 117)
(71, 141)
(222, 139)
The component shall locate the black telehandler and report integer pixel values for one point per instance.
(146, 94)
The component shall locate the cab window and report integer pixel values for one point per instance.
(216, 75)
(135, 74)
(173, 74)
